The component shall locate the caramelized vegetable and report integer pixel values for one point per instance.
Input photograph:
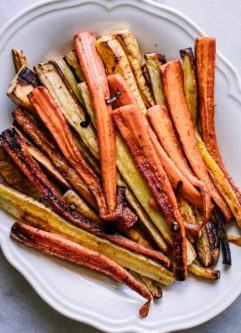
(206, 273)
(132, 127)
(11, 174)
(134, 180)
(117, 83)
(153, 63)
(59, 247)
(14, 145)
(214, 241)
(132, 51)
(205, 52)
(19, 59)
(47, 147)
(116, 61)
(190, 84)
(174, 90)
(162, 125)
(234, 239)
(220, 180)
(43, 160)
(36, 214)
(51, 76)
(95, 75)
(227, 260)
(73, 62)
(21, 85)
(53, 119)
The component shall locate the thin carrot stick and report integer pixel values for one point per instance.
(132, 125)
(95, 75)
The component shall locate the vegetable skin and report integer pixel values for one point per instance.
(57, 246)
(36, 214)
(172, 75)
(132, 51)
(132, 127)
(95, 75)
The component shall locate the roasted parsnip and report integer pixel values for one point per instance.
(153, 63)
(205, 273)
(72, 61)
(132, 126)
(51, 76)
(116, 61)
(132, 51)
(36, 214)
(19, 59)
(57, 246)
(21, 85)
(190, 84)
(48, 148)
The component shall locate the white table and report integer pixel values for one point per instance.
(21, 309)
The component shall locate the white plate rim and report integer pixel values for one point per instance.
(29, 273)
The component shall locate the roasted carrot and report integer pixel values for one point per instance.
(95, 75)
(118, 84)
(132, 126)
(57, 246)
(163, 127)
(172, 76)
(47, 147)
(17, 149)
(14, 145)
(53, 119)
(205, 54)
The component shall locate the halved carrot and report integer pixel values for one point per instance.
(172, 76)
(118, 84)
(47, 147)
(57, 246)
(163, 127)
(205, 54)
(132, 125)
(56, 124)
(95, 75)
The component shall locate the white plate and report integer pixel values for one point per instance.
(47, 29)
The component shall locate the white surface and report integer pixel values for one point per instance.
(170, 296)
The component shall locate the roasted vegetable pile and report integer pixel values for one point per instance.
(112, 162)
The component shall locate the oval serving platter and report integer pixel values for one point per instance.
(46, 30)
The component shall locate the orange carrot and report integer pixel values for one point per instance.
(57, 246)
(95, 75)
(54, 120)
(172, 76)
(132, 125)
(118, 84)
(205, 54)
(163, 128)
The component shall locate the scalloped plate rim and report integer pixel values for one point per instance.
(29, 272)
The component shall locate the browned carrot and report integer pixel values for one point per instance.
(47, 147)
(162, 126)
(54, 120)
(205, 55)
(17, 149)
(14, 145)
(172, 76)
(132, 125)
(95, 75)
(118, 84)
(62, 248)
